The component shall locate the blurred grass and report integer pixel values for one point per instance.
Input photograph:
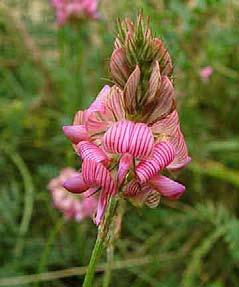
(47, 74)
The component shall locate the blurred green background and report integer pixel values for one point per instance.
(47, 74)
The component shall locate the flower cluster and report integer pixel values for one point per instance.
(77, 207)
(131, 132)
(67, 10)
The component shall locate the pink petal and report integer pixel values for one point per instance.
(115, 102)
(117, 138)
(89, 172)
(141, 141)
(102, 202)
(103, 179)
(132, 188)
(79, 118)
(119, 67)
(130, 90)
(126, 162)
(88, 150)
(164, 100)
(76, 133)
(154, 82)
(134, 193)
(167, 187)
(162, 156)
(75, 184)
(181, 151)
(167, 125)
(129, 137)
(170, 128)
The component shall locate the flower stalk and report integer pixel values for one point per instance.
(103, 232)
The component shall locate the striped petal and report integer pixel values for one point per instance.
(79, 118)
(162, 156)
(76, 184)
(128, 137)
(115, 103)
(118, 67)
(167, 187)
(117, 138)
(170, 128)
(89, 171)
(132, 188)
(167, 125)
(165, 101)
(102, 203)
(76, 133)
(130, 90)
(142, 141)
(96, 175)
(99, 103)
(181, 151)
(126, 162)
(88, 150)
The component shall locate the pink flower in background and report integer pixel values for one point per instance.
(75, 9)
(205, 73)
(78, 207)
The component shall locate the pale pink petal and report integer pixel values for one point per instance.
(75, 184)
(79, 118)
(170, 128)
(76, 133)
(164, 101)
(89, 150)
(115, 103)
(167, 187)
(132, 188)
(167, 125)
(117, 138)
(141, 141)
(154, 82)
(134, 193)
(130, 90)
(119, 67)
(181, 151)
(126, 162)
(162, 156)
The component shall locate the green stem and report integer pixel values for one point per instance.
(99, 244)
(108, 270)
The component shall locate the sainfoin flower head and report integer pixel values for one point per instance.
(78, 207)
(67, 10)
(131, 132)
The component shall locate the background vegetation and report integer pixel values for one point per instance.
(46, 74)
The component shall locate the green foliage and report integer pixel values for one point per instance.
(47, 74)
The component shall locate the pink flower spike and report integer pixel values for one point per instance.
(167, 187)
(76, 133)
(88, 150)
(162, 156)
(126, 162)
(75, 184)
